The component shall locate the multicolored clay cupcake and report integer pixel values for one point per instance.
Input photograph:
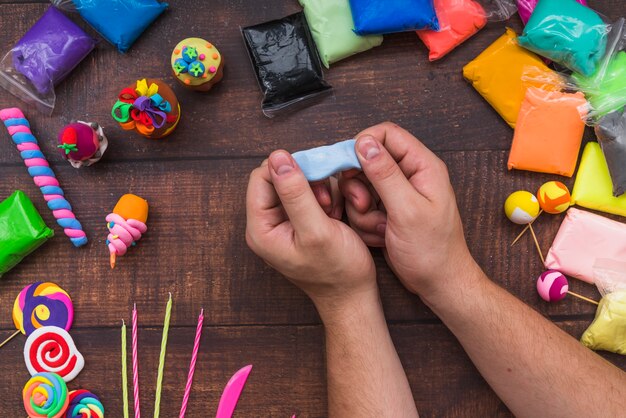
(149, 107)
(82, 143)
(197, 64)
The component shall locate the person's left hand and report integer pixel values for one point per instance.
(295, 228)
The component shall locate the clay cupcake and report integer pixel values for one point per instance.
(197, 64)
(149, 107)
(82, 143)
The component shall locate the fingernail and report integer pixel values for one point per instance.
(281, 163)
(368, 147)
(381, 229)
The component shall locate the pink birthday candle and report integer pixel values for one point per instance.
(135, 371)
(192, 366)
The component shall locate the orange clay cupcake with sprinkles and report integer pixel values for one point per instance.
(148, 107)
(197, 64)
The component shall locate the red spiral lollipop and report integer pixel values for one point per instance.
(51, 349)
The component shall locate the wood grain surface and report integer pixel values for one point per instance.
(195, 248)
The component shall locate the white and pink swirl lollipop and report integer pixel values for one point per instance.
(126, 224)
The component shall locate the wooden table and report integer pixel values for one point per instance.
(195, 248)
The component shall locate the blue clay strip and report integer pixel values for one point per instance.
(322, 162)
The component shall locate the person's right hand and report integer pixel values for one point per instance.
(404, 202)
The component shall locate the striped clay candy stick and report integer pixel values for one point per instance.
(42, 174)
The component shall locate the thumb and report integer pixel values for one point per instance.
(293, 189)
(384, 173)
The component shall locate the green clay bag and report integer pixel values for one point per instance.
(332, 28)
(22, 230)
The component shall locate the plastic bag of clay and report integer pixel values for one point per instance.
(611, 133)
(286, 64)
(459, 20)
(567, 33)
(22, 230)
(608, 329)
(332, 26)
(378, 17)
(120, 22)
(43, 57)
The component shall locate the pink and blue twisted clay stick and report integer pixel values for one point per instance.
(42, 174)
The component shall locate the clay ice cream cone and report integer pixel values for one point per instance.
(126, 224)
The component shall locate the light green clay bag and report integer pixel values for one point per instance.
(332, 27)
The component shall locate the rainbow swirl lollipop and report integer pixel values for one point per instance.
(45, 396)
(84, 404)
(42, 304)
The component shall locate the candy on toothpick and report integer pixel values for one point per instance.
(554, 197)
(42, 174)
(126, 224)
(45, 396)
(322, 162)
(553, 286)
(522, 208)
(52, 349)
(84, 404)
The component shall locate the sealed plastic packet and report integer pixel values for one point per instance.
(459, 20)
(608, 329)
(377, 17)
(568, 33)
(286, 64)
(120, 22)
(548, 132)
(22, 230)
(332, 26)
(42, 58)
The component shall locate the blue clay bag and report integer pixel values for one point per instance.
(120, 22)
(377, 17)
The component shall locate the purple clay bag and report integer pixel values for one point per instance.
(45, 55)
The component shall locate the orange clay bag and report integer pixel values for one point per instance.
(548, 133)
(497, 75)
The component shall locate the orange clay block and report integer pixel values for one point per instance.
(131, 206)
(549, 132)
(497, 75)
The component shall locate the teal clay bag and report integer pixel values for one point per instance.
(22, 230)
(332, 26)
(568, 33)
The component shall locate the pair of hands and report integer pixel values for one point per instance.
(402, 202)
